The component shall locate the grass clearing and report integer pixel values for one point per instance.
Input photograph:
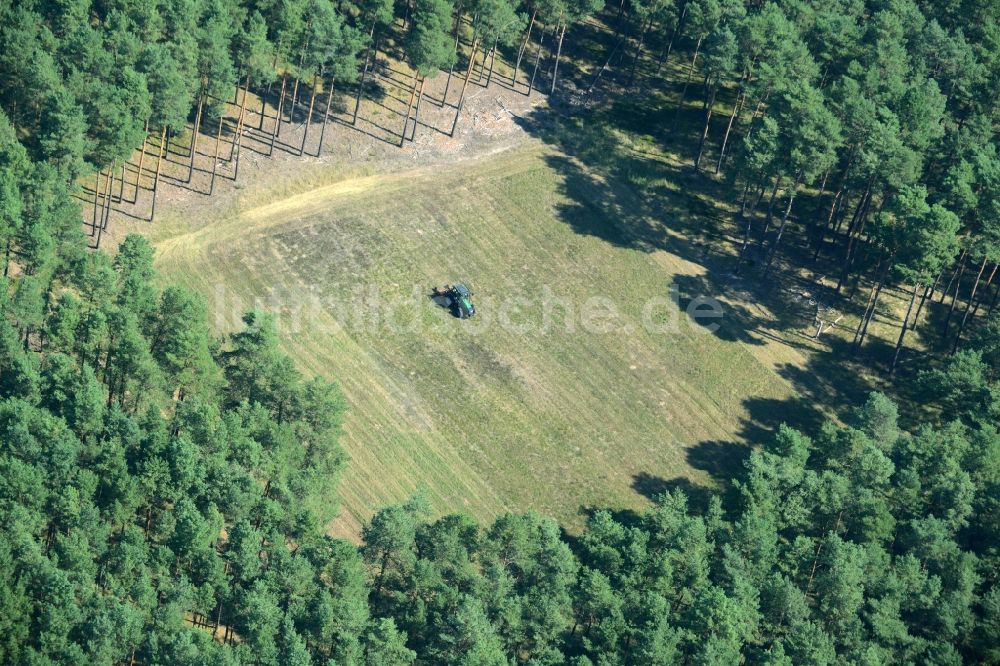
(600, 202)
(488, 417)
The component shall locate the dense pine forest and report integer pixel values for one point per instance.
(164, 493)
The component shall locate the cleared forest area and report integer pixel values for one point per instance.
(529, 204)
(730, 393)
(489, 416)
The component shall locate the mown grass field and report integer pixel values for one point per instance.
(488, 417)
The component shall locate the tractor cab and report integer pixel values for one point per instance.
(457, 298)
(461, 301)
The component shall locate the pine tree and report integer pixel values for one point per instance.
(496, 22)
(809, 147)
(428, 50)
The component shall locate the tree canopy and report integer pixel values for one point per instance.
(165, 493)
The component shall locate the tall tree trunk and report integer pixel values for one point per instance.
(859, 214)
(954, 295)
(745, 196)
(456, 33)
(869, 314)
(928, 293)
(295, 88)
(704, 131)
(236, 90)
(555, 69)
(838, 218)
(326, 116)
(267, 92)
(748, 217)
(864, 332)
(868, 305)
(156, 178)
(856, 242)
(760, 195)
(968, 306)
(106, 207)
(822, 186)
(142, 158)
(97, 194)
(748, 227)
(951, 280)
(218, 621)
(240, 128)
(407, 24)
(277, 120)
(834, 205)
(781, 227)
(524, 45)
(737, 106)
(291, 109)
(364, 72)
(618, 17)
(465, 84)
(638, 54)
(108, 196)
(687, 82)
(416, 112)
(604, 67)
(194, 136)
(409, 107)
(538, 58)
(752, 124)
(986, 289)
(493, 60)
(121, 183)
(770, 210)
(309, 115)
(263, 105)
(902, 331)
(232, 144)
(670, 44)
(821, 234)
(482, 68)
(215, 159)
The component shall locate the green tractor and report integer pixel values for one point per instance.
(456, 298)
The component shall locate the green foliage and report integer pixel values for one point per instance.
(386, 646)
(156, 482)
(721, 51)
(154, 479)
(499, 20)
(429, 46)
(167, 85)
(252, 50)
(810, 133)
(215, 32)
(129, 485)
(921, 238)
(332, 44)
(702, 17)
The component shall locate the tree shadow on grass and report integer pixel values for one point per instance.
(626, 517)
(832, 382)
(699, 299)
(653, 487)
(630, 196)
(828, 385)
(628, 180)
(725, 460)
(722, 460)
